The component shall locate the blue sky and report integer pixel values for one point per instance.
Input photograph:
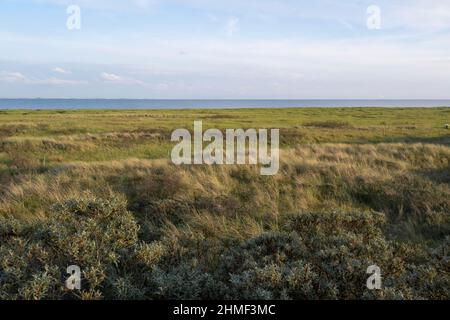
(225, 49)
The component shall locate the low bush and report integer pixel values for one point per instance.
(310, 256)
(98, 235)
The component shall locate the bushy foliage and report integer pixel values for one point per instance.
(326, 255)
(98, 235)
(310, 256)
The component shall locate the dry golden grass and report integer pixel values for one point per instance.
(308, 177)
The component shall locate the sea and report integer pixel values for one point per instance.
(68, 104)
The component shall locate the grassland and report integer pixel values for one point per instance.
(356, 187)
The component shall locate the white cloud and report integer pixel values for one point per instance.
(13, 77)
(363, 67)
(111, 77)
(19, 78)
(114, 78)
(61, 70)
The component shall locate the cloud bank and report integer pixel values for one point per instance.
(231, 49)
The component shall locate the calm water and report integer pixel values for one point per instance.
(205, 104)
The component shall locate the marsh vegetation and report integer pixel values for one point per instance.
(356, 187)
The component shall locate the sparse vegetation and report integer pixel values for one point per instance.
(356, 187)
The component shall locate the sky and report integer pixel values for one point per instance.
(225, 49)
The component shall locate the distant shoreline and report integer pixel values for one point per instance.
(189, 104)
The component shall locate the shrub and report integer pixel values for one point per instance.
(98, 235)
(326, 255)
(310, 256)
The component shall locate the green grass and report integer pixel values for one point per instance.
(428, 122)
(298, 126)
